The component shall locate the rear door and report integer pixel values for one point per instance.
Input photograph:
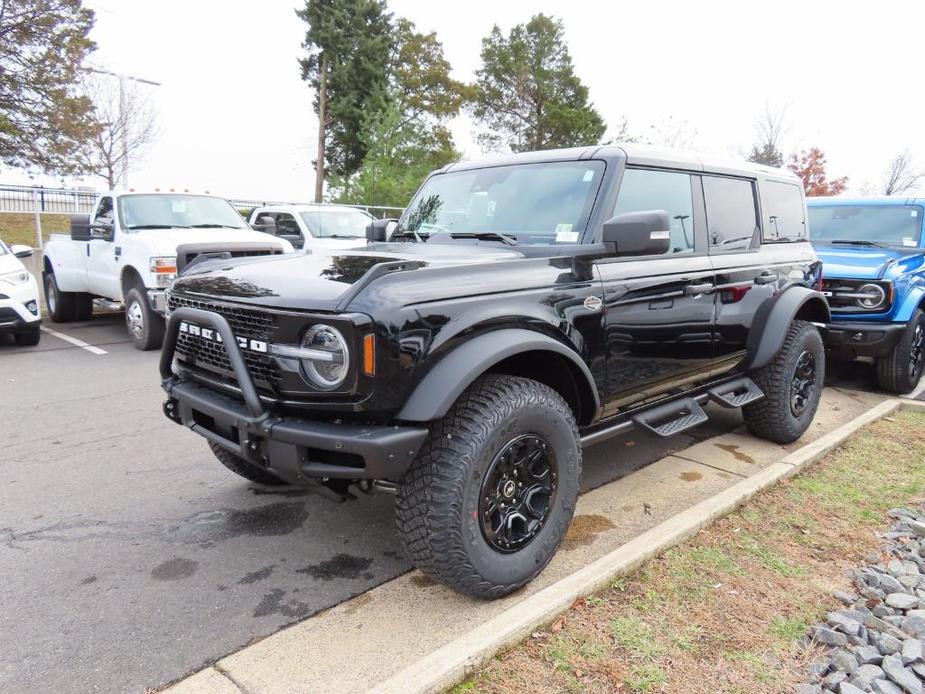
(751, 253)
(658, 309)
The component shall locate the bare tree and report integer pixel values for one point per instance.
(769, 130)
(900, 176)
(126, 126)
(673, 134)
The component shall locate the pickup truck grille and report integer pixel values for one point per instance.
(211, 356)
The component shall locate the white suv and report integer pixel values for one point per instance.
(19, 296)
(314, 226)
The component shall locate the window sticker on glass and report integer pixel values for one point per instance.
(909, 241)
(589, 174)
(914, 213)
(564, 234)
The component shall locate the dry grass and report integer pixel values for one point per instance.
(20, 228)
(727, 611)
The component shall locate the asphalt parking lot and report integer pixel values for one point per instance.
(131, 556)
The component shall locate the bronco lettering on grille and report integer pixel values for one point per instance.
(213, 336)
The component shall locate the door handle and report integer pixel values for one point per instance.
(696, 289)
(766, 278)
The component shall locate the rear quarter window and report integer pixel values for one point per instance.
(784, 212)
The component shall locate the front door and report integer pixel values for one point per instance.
(659, 310)
(103, 255)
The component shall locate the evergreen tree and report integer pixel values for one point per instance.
(529, 97)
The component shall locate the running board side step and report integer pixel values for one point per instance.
(671, 418)
(737, 393)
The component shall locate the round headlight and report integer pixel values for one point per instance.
(328, 368)
(875, 296)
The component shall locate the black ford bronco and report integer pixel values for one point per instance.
(522, 307)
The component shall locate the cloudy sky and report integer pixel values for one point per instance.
(236, 119)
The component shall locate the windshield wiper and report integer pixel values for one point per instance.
(157, 226)
(409, 232)
(340, 236)
(213, 226)
(486, 235)
(858, 243)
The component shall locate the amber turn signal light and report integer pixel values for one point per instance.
(369, 355)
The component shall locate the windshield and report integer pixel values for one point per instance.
(169, 211)
(344, 222)
(547, 203)
(896, 225)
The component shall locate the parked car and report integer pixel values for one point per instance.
(523, 307)
(129, 249)
(323, 227)
(19, 296)
(873, 252)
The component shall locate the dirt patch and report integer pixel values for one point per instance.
(690, 476)
(585, 529)
(734, 451)
(422, 580)
(728, 610)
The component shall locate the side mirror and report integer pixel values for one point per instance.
(80, 227)
(378, 229)
(639, 233)
(295, 239)
(265, 224)
(105, 232)
(21, 251)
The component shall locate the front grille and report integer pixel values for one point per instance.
(211, 356)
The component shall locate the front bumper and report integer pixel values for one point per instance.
(849, 340)
(292, 448)
(14, 315)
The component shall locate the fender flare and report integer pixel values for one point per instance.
(444, 383)
(775, 316)
(913, 300)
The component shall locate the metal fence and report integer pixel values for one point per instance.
(30, 199)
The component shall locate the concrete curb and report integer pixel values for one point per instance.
(451, 663)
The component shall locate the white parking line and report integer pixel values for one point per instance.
(74, 341)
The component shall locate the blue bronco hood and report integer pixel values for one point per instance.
(867, 263)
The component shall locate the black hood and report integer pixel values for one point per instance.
(325, 281)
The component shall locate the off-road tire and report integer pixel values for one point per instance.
(438, 500)
(894, 372)
(28, 338)
(241, 467)
(772, 417)
(62, 306)
(145, 326)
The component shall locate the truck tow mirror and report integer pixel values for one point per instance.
(639, 233)
(378, 229)
(80, 227)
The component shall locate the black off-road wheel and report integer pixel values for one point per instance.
(901, 369)
(792, 385)
(244, 469)
(145, 326)
(490, 496)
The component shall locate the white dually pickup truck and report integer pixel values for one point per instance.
(129, 251)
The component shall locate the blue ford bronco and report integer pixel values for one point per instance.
(873, 255)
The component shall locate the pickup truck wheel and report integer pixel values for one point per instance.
(28, 338)
(62, 306)
(241, 467)
(901, 369)
(489, 498)
(792, 385)
(145, 326)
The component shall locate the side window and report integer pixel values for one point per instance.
(644, 189)
(783, 211)
(286, 224)
(732, 217)
(103, 212)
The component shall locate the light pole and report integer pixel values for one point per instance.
(122, 78)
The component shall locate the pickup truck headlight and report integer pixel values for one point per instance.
(326, 358)
(164, 269)
(15, 277)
